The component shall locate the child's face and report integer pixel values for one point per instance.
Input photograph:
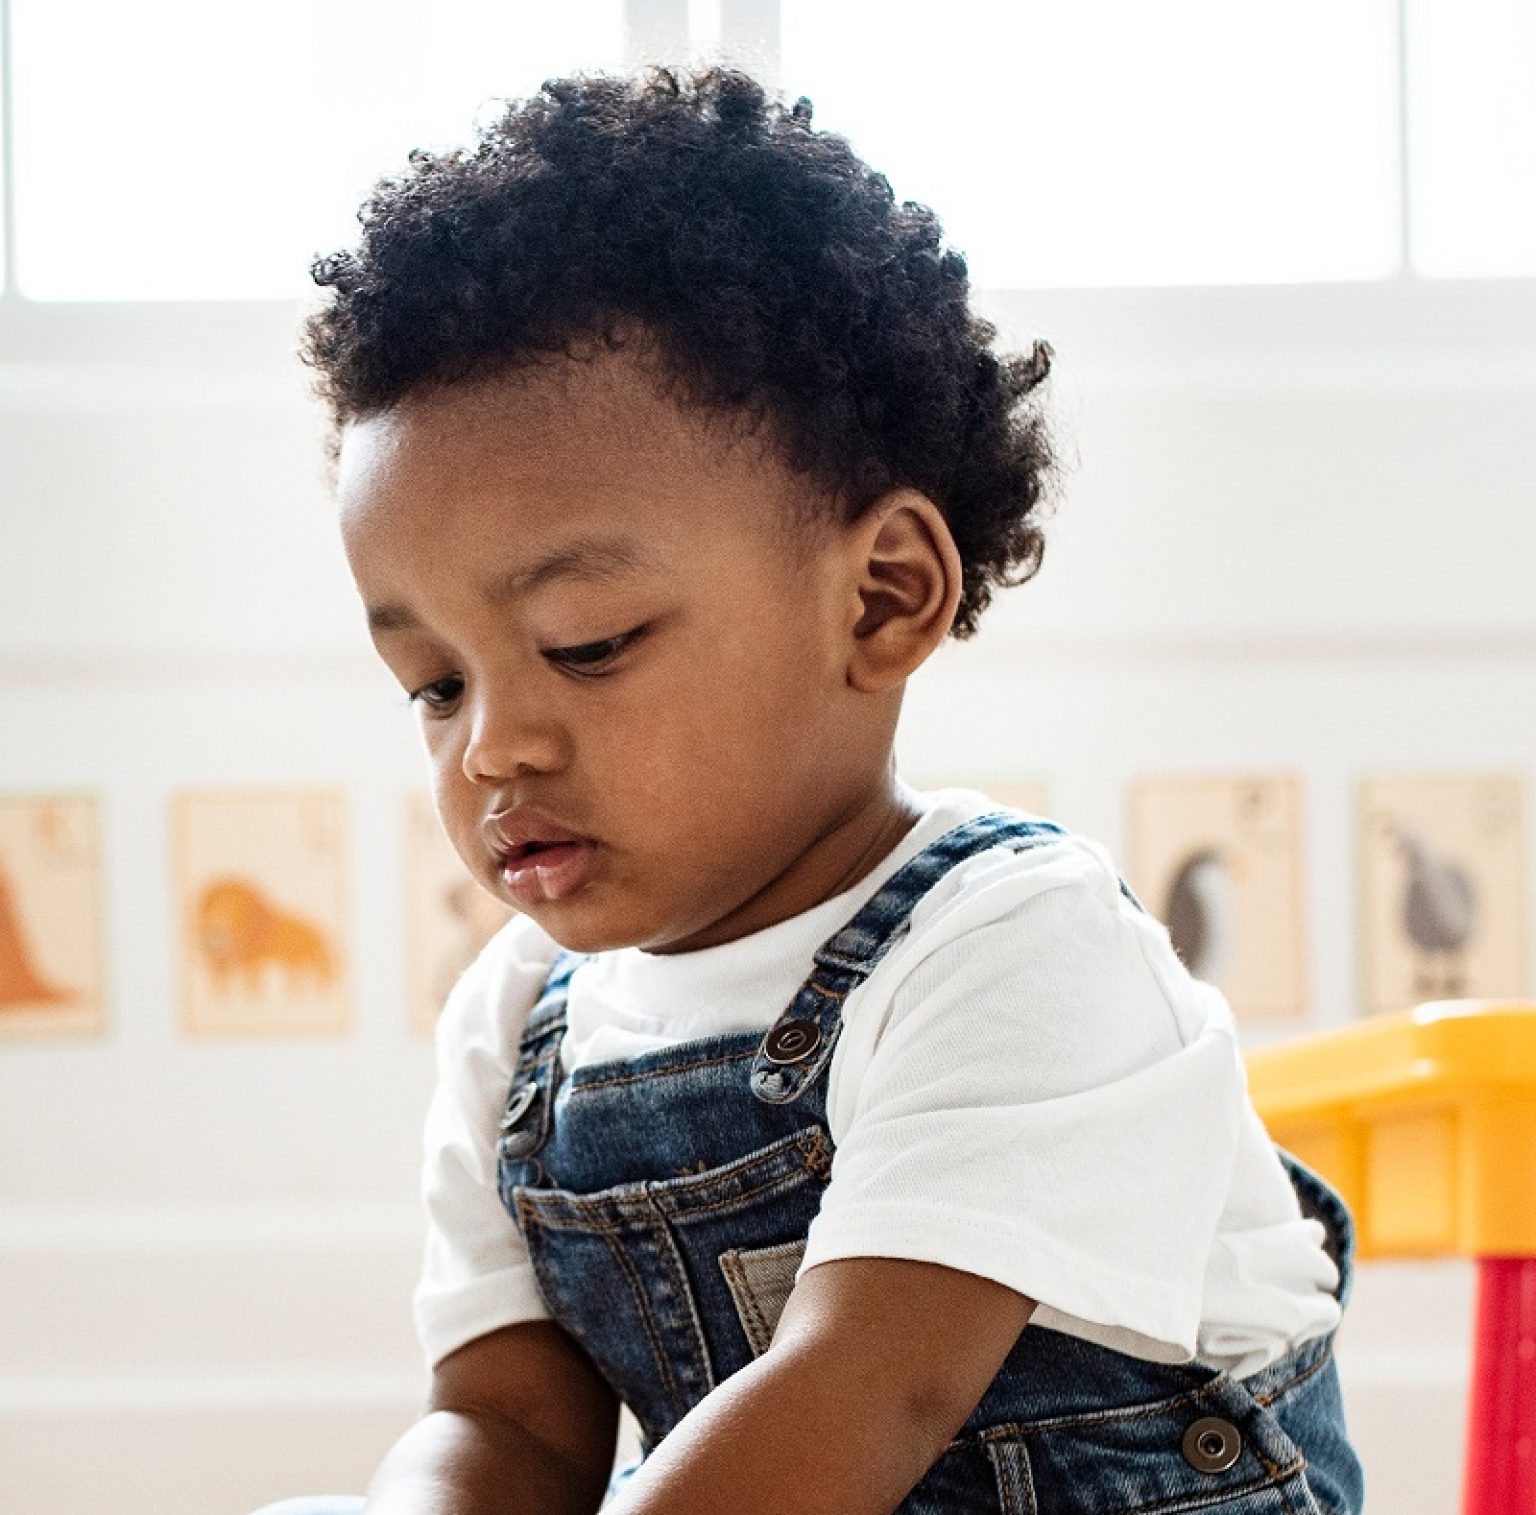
(689, 713)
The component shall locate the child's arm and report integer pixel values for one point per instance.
(876, 1364)
(518, 1420)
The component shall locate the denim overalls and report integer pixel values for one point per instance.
(665, 1201)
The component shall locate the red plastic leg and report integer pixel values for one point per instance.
(1501, 1416)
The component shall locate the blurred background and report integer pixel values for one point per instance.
(1285, 255)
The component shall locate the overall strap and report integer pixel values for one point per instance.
(526, 1112)
(799, 1044)
(548, 1013)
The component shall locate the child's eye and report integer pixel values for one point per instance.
(591, 655)
(432, 695)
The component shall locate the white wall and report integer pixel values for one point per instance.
(1299, 536)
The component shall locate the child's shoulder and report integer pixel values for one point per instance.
(1061, 899)
(1026, 974)
(1042, 854)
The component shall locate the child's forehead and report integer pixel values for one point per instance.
(615, 412)
(542, 455)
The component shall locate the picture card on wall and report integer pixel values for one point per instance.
(1218, 859)
(1442, 889)
(259, 878)
(450, 915)
(51, 955)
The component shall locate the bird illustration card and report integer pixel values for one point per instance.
(51, 958)
(450, 915)
(1442, 889)
(1218, 860)
(260, 886)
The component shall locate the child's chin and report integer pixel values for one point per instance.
(578, 930)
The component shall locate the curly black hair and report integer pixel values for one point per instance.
(779, 276)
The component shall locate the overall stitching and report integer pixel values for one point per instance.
(1270, 1396)
(680, 1276)
(718, 1207)
(1015, 1485)
(642, 1300)
(558, 1209)
(1152, 1409)
(616, 1080)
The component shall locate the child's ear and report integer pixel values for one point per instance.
(907, 582)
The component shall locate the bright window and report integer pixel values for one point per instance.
(182, 149)
(1121, 142)
(177, 149)
(1472, 136)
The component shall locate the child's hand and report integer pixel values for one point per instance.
(874, 1367)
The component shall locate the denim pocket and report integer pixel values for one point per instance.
(634, 1273)
(760, 1280)
(1217, 1449)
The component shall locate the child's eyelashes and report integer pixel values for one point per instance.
(594, 654)
(590, 660)
(430, 695)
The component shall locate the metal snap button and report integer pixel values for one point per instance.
(518, 1105)
(792, 1042)
(1211, 1445)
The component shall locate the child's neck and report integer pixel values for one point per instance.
(833, 864)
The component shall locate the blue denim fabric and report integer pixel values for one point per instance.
(664, 1199)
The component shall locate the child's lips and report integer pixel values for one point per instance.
(535, 874)
(538, 859)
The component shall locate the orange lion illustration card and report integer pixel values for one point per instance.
(50, 916)
(1442, 888)
(1218, 860)
(260, 886)
(451, 916)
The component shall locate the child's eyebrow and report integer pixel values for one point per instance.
(583, 557)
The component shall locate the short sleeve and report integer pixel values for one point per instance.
(1036, 1111)
(475, 1273)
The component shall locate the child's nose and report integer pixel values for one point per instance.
(507, 735)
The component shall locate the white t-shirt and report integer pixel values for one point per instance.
(1029, 1086)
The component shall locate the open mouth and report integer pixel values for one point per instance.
(532, 849)
(540, 871)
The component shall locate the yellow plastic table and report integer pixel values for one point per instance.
(1425, 1122)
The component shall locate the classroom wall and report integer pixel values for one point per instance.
(1297, 537)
